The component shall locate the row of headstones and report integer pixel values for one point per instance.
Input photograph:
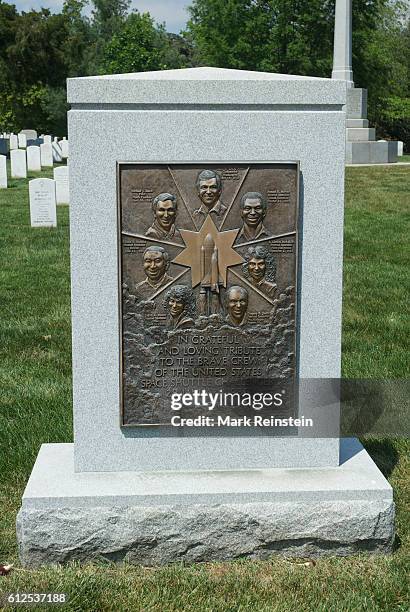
(62, 193)
(20, 141)
(24, 136)
(29, 134)
(32, 160)
(44, 195)
(28, 138)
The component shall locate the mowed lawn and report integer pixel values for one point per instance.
(35, 407)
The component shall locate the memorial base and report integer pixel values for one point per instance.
(361, 144)
(157, 518)
(371, 152)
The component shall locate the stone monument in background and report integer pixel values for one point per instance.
(206, 254)
(361, 144)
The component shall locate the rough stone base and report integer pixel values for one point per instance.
(160, 518)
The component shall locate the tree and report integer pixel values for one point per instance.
(392, 119)
(33, 59)
(107, 19)
(292, 36)
(269, 35)
(109, 16)
(139, 46)
(178, 51)
(39, 50)
(77, 43)
(378, 48)
(36, 53)
(54, 109)
(7, 112)
(224, 33)
(8, 25)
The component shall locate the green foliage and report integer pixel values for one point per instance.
(380, 61)
(44, 107)
(36, 54)
(22, 108)
(179, 52)
(8, 25)
(30, 106)
(297, 37)
(136, 47)
(270, 35)
(33, 53)
(109, 16)
(78, 40)
(391, 118)
(40, 50)
(140, 46)
(54, 108)
(224, 34)
(7, 109)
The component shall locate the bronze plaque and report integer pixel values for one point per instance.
(208, 267)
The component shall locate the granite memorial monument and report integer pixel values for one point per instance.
(206, 249)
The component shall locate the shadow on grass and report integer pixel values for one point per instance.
(396, 543)
(383, 453)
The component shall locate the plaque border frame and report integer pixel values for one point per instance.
(119, 165)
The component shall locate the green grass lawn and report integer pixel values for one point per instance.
(35, 407)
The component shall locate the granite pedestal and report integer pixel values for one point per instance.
(159, 517)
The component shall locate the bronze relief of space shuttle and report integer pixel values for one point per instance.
(209, 294)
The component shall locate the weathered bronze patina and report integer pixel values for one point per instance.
(208, 259)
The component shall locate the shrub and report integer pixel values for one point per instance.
(391, 118)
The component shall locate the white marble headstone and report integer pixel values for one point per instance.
(64, 148)
(46, 153)
(57, 153)
(18, 163)
(47, 139)
(30, 134)
(43, 211)
(33, 158)
(3, 172)
(62, 188)
(400, 148)
(22, 140)
(14, 143)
